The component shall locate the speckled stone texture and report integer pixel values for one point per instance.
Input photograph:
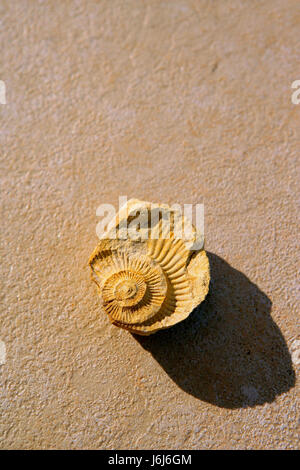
(179, 101)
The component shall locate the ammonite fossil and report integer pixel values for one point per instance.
(149, 279)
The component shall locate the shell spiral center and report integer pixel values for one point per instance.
(133, 288)
(125, 290)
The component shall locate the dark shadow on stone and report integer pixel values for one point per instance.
(229, 352)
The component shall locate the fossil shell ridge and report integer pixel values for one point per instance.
(152, 282)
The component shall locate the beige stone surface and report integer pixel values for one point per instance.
(180, 101)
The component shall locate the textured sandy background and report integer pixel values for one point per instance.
(171, 101)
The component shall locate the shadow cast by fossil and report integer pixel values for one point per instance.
(229, 352)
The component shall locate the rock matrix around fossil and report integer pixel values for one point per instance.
(148, 278)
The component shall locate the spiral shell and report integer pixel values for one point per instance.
(148, 285)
